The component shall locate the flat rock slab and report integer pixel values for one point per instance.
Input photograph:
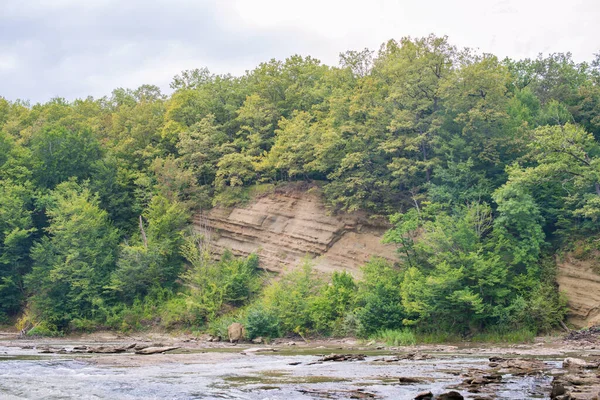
(259, 350)
(156, 350)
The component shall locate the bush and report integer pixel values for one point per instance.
(44, 329)
(219, 326)
(261, 322)
(329, 308)
(83, 325)
(379, 301)
(216, 287)
(4, 319)
(291, 297)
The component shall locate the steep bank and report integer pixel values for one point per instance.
(577, 279)
(288, 225)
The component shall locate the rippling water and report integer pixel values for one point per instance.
(25, 376)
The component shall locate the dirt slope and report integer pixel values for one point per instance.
(581, 284)
(286, 226)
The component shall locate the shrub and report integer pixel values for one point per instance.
(44, 329)
(218, 327)
(329, 308)
(290, 299)
(379, 301)
(261, 322)
(83, 325)
(215, 287)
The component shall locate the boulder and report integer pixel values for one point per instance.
(450, 396)
(343, 357)
(235, 332)
(571, 362)
(558, 389)
(424, 396)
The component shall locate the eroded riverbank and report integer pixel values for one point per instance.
(55, 369)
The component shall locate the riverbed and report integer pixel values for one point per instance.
(288, 370)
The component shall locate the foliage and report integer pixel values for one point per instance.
(73, 263)
(487, 168)
(469, 272)
(390, 337)
(290, 299)
(213, 287)
(262, 322)
(16, 229)
(154, 260)
(379, 304)
(61, 153)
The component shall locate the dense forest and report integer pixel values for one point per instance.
(487, 169)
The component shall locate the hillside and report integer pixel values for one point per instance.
(287, 226)
(481, 171)
(581, 284)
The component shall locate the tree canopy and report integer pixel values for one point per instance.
(486, 167)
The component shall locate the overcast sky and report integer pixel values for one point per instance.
(76, 48)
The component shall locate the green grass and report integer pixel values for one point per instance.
(396, 337)
(437, 337)
(408, 337)
(516, 336)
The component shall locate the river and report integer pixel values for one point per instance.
(225, 373)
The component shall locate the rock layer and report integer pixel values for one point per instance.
(286, 226)
(577, 279)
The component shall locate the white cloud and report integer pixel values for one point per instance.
(73, 48)
(515, 28)
(8, 62)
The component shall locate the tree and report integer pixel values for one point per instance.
(234, 169)
(476, 97)
(201, 146)
(568, 156)
(257, 119)
(416, 71)
(153, 259)
(359, 62)
(60, 153)
(518, 234)
(16, 229)
(73, 262)
(295, 146)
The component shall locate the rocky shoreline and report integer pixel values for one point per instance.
(569, 365)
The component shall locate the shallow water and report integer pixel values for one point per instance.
(26, 375)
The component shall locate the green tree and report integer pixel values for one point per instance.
(567, 160)
(257, 119)
(16, 229)
(153, 259)
(201, 146)
(60, 153)
(73, 262)
(416, 70)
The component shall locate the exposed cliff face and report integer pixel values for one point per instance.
(581, 284)
(285, 227)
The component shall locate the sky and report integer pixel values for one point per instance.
(79, 48)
